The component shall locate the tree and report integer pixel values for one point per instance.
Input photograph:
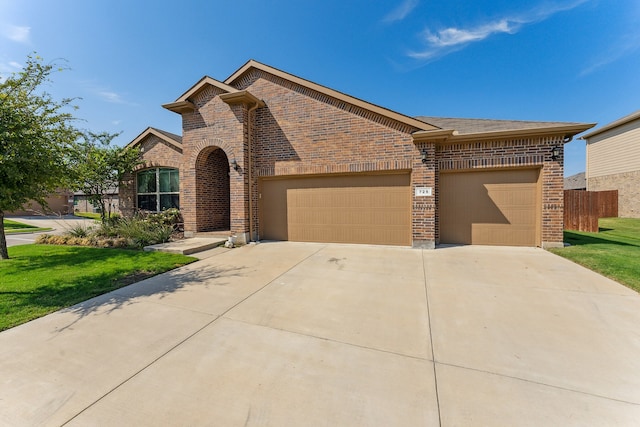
(101, 167)
(36, 138)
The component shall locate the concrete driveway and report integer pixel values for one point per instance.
(312, 334)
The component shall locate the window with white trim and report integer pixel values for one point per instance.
(158, 189)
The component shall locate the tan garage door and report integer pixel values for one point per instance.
(490, 207)
(372, 209)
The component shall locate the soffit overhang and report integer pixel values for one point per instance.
(450, 136)
(241, 97)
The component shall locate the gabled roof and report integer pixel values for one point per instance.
(437, 129)
(183, 103)
(168, 137)
(624, 120)
(461, 129)
(252, 64)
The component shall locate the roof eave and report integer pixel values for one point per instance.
(623, 121)
(151, 131)
(452, 137)
(439, 135)
(180, 106)
(241, 97)
(418, 124)
(184, 104)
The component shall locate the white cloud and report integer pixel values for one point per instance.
(618, 50)
(448, 40)
(8, 68)
(110, 96)
(17, 33)
(104, 93)
(400, 12)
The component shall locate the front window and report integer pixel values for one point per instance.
(158, 189)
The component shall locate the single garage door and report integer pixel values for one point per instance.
(371, 209)
(490, 207)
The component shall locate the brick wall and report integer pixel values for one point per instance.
(213, 127)
(156, 153)
(628, 186)
(303, 132)
(517, 153)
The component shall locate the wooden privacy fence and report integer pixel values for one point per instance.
(583, 208)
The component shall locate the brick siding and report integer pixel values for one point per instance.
(304, 132)
(628, 186)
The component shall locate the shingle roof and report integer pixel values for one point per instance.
(468, 126)
(170, 138)
(575, 182)
(176, 138)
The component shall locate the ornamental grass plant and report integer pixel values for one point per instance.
(141, 230)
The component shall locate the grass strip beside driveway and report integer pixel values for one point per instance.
(11, 227)
(613, 252)
(40, 279)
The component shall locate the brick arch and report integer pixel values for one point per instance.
(212, 189)
(203, 145)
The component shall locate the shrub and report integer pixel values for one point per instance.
(170, 217)
(80, 230)
(134, 233)
(43, 239)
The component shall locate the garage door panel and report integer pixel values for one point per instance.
(490, 207)
(372, 209)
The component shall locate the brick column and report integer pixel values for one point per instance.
(423, 178)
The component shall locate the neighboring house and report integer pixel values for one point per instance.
(576, 182)
(613, 162)
(59, 203)
(81, 202)
(268, 155)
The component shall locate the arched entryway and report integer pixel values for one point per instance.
(213, 195)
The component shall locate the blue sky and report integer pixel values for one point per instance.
(543, 60)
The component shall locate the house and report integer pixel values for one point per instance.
(268, 155)
(81, 202)
(58, 203)
(613, 162)
(576, 182)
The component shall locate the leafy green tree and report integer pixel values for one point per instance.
(36, 138)
(100, 167)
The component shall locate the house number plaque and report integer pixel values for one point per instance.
(423, 191)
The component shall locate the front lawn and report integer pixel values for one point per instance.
(11, 227)
(613, 252)
(90, 215)
(40, 279)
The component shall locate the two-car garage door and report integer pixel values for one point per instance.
(371, 209)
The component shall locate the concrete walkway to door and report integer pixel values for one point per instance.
(315, 334)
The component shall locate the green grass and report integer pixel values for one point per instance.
(613, 252)
(40, 279)
(11, 227)
(88, 215)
